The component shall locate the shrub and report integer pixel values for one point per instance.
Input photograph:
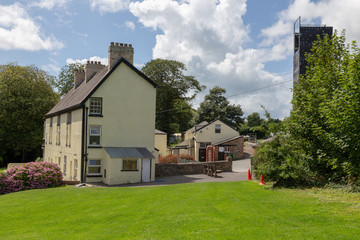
(30, 176)
(186, 156)
(168, 159)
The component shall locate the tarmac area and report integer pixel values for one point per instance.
(239, 173)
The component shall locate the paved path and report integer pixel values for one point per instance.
(239, 173)
(242, 165)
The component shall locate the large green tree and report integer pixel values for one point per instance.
(174, 93)
(216, 106)
(65, 81)
(323, 128)
(25, 97)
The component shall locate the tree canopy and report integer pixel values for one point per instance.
(65, 82)
(25, 97)
(174, 93)
(216, 106)
(320, 140)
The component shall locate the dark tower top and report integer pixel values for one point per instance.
(304, 36)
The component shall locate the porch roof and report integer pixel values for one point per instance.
(128, 152)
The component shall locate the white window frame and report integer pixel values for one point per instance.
(94, 134)
(65, 163)
(75, 169)
(94, 166)
(95, 104)
(130, 159)
(217, 128)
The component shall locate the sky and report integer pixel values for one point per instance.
(244, 46)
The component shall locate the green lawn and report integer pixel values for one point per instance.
(2, 169)
(230, 210)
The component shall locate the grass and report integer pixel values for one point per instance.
(2, 169)
(228, 210)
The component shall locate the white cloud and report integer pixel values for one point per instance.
(49, 4)
(83, 61)
(19, 31)
(109, 5)
(339, 14)
(130, 25)
(52, 68)
(209, 36)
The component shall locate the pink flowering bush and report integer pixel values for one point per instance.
(30, 176)
(168, 159)
(186, 156)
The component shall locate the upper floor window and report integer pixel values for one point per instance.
(68, 119)
(95, 135)
(217, 128)
(95, 106)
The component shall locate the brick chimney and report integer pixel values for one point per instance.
(79, 77)
(91, 68)
(120, 50)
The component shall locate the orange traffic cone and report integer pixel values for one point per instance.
(262, 180)
(249, 175)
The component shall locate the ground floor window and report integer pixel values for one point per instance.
(94, 167)
(129, 164)
(75, 168)
(65, 162)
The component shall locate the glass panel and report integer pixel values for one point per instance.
(94, 170)
(94, 140)
(95, 130)
(95, 105)
(129, 164)
(94, 162)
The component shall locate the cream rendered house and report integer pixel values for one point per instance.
(161, 142)
(204, 134)
(103, 129)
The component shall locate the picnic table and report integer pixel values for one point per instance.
(210, 169)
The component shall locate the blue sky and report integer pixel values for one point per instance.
(236, 44)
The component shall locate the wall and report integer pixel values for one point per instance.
(173, 169)
(161, 143)
(52, 152)
(128, 114)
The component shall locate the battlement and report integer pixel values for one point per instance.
(120, 50)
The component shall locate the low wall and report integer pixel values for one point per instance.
(173, 169)
(10, 165)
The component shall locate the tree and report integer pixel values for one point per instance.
(174, 93)
(253, 120)
(324, 124)
(65, 82)
(216, 106)
(25, 97)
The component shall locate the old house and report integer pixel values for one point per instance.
(103, 129)
(225, 140)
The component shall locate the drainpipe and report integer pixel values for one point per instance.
(84, 145)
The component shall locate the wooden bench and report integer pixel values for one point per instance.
(210, 169)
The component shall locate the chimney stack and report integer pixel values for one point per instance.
(120, 50)
(79, 77)
(91, 68)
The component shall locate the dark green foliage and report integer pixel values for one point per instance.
(65, 82)
(25, 97)
(216, 106)
(324, 124)
(173, 110)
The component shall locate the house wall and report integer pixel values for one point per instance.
(53, 152)
(207, 134)
(161, 143)
(128, 114)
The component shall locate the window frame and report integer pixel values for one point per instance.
(129, 169)
(217, 128)
(96, 135)
(93, 104)
(65, 165)
(94, 166)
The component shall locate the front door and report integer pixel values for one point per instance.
(146, 170)
(202, 154)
